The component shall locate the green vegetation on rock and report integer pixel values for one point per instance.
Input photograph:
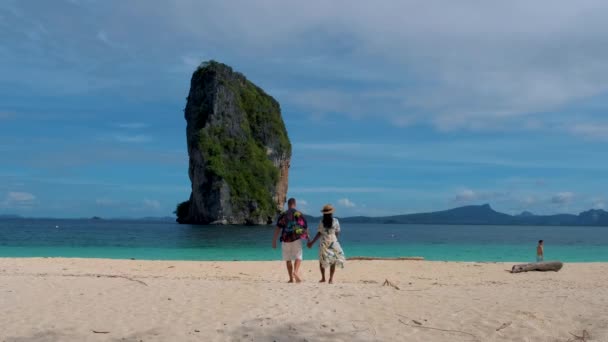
(244, 165)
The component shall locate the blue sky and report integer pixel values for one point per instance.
(392, 106)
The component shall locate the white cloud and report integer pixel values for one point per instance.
(102, 36)
(6, 115)
(599, 205)
(135, 139)
(465, 195)
(20, 197)
(15, 199)
(105, 202)
(347, 203)
(562, 198)
(146, 204)
(192, 62)
(330, 189)
(496, 151)
(151, 204)
(165, 188)
(132, 125)
(591, 130)
(303, 205)
(480, 65)
(343, 147)
(454, 65)
(187, 63)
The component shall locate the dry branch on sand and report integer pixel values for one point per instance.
(389, 283)
(120, 276)
(504, 325)
(87, 275)
(582, 338)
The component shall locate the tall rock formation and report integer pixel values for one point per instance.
(238, 147)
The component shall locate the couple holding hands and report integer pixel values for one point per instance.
(293, 228)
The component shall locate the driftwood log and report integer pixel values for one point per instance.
(538, 266)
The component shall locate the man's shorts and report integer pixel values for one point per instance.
(292, 250)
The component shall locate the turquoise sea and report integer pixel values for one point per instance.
(170, 241)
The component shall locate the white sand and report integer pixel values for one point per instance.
(66, 299)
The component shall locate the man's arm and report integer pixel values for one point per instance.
(307, 232)
(277, 231)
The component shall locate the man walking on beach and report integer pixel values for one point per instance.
(292, 227)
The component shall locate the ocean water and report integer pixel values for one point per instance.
(169, 241)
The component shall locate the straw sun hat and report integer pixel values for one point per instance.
(328, 209)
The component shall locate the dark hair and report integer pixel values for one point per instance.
(292, 201)
(328, 220)
(540, 241)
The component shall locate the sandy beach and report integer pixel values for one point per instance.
(131, 300)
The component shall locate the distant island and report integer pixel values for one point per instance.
(485, 215)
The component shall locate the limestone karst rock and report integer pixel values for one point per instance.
(238, 148)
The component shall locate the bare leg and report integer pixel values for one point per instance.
(290, 271)
(322, 273)
(332, 270)
(296, 271)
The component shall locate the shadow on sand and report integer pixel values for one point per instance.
(256, 330)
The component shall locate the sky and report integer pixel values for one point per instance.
(392, 106)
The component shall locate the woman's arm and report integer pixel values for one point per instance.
(337, 228)
(313, 240)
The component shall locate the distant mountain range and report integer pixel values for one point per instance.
(467, 215)
(485, 215)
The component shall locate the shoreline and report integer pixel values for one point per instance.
(351, 259)
(68, 299)
(355, 260)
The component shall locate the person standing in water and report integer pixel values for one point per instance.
(330, 251)
(540, 251)
(292, 228)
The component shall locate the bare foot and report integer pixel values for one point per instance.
(330, 281)
(298, 279)
(290, 281)
(322, 281)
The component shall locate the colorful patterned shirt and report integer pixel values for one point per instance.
(293, 225)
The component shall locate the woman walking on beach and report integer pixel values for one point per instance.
(330, 252)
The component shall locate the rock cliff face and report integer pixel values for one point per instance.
(238, 147)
